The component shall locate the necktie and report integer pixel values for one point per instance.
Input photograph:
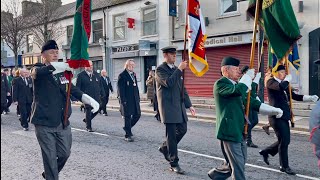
(132, 76)
(25, 81)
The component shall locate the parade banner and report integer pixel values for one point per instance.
(196, 39)
(81, 34)
(279, 23)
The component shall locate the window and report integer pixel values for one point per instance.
(29, 43)
(119, 26)
(228, 7)
(149, 21)
(69, 34)
(97, 30)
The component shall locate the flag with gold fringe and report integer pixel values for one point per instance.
(196, 39)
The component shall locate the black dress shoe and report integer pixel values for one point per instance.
(265, 156)
(26, 129)
(43, 175)
(90, 130)
(165, 154)
(177, 170)
(266, 129)
(129, 139)
(105, 114)
(84, 120)
(287, 170)
(250, 144)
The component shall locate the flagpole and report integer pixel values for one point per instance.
(253, 45)
(290, 92)
(69, 74)
(184, 50)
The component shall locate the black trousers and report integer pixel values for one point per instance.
(129, 122)
(9, 98)
(25, 112)
(89, 115)
(282, 130)
(174, 134)
(103, 106)
(254, 121)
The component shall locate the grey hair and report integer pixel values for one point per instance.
(127, 63)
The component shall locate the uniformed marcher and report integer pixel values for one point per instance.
(278, 93)
(253, 115)
(50, 87)
(89, 82)
(9, 96)
(230, 118)
(107, 86)
(129, 98)
(172, 105)
(22, 96)
(4, 91)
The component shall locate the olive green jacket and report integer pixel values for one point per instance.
(230, 109)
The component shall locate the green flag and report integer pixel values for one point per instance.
(279, 23)
(81, 34)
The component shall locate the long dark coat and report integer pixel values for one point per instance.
(169, 83)
(128, 94)
(49, 100)
(93, 87)
(4, 90)
(106, 87)
(21, 92)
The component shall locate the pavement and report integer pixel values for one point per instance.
(209, 115)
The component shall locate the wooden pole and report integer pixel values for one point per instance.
(184, 50)
(290, 92)
(253, 45)
(68, 99)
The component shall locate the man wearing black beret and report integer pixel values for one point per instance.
(50, 87)
(278, 93)
(172, 106)
(230, 117)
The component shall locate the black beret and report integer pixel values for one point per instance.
(169, 49)
(244, 69)
(317, 61)
(51, 44)
(230, 61)
(280, 67)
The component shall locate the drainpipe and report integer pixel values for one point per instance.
(107, 63)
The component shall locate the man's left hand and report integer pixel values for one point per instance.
(193, 111)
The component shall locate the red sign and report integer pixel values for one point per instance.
(130, 22)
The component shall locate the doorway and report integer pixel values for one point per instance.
(149, 61)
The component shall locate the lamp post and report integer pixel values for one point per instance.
(103, 43)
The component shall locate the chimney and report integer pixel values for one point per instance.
(29, 7)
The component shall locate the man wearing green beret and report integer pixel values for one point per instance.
(230, 118)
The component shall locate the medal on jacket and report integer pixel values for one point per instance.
(134, 84)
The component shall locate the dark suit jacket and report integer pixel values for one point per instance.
(49, 100)
(278, 94)
(128, 94)
(22, 93)
(107, 87)
(4, 89)
(93, 88)
(169, 83)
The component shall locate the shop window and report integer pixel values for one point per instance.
(69, 34)
(149, 21)
(228, 7)
(97, 30)
(119, 27)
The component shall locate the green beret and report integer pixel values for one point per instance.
(51, 44)
(169, 49)
(230, 61)
(280, 67)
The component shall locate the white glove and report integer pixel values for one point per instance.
(60, 67)
(86, 99)
(313, 98)
(247, 80)
(257, 98)
(257, 78)
(250, 73)
(288, 78)
(270, 110)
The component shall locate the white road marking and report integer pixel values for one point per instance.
(211, 157)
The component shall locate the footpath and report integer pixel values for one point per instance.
(205, 111)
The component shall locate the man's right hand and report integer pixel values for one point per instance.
(183, 65)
